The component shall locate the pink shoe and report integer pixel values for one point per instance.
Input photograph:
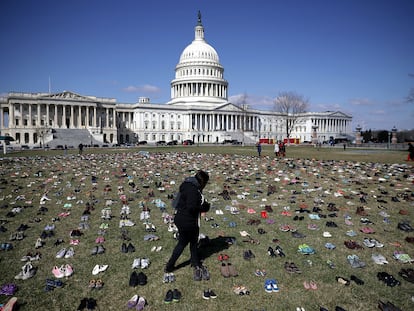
(58, 272)
(74, 242)
(68, 270)
(306, 285)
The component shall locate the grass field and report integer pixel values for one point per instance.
(305, 178)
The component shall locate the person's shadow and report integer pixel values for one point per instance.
(208, 247)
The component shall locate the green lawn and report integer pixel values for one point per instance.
(324, 172)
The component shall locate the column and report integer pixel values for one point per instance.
(30, 115)
(94, 117)
(38, 115)
(56, 116)
(87, 117)
(11, 116)
(64, 116)
(80, 117)
(71, 116)
(47, 115)
(107, 117)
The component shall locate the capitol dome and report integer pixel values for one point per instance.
(199, 75)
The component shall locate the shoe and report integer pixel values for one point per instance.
(133, 279)
(142, 278)
(145, 263)
(212, 294)
(130, 248)
(169, 296)
(136, 263)
(101, 249)
(268, 286)
(82, 304)
(132, 302)
(232, 270)
(275, 288)
(70, 253)
(224, 270)
(357, 280)
(91, 304)
(58, 272)
(204, 273)
(206, 294)
(141, 303)
(99, 268)
(94, 250)
(342, 280)
(124, 248)
(61, 253)
(198, 274)
(68, 270)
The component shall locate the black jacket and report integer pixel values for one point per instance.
(191, 203)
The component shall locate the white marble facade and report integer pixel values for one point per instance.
(199, 110)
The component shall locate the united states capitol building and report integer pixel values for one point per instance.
(199, 110)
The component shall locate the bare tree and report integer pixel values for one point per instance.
(291, 105)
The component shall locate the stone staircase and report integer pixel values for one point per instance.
(72, 137)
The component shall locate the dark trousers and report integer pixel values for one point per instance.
(186, 236)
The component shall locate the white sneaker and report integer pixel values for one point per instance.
(99, 268)
(136, 263)
(70, 253)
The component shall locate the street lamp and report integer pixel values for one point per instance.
(389, 139)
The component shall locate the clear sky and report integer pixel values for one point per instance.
(354, 56)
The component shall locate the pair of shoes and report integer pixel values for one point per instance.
(388, 279)
(98, 250)
(310, 285)
(27, 272)
(88, 303)
(223, 257)
(99, 268)
(209, 293)
(198, 274)
(407, 274)
(62, 271)
(65, 253)
(247, 255)
(172, 296)
(270, 285)
(97, 284)
(355, 262)
(52, 284)
(168, 277)
(127, 249)
(228, 270)
(259, 272)
(137, 279)
(271, 252)
(241, 290)
(291, 267)
(137, 302)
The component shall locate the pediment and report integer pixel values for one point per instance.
(229, 107)
(338, 114)
(67, 95)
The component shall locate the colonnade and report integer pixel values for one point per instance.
(198, 89)
(331, 125)
(224, 122)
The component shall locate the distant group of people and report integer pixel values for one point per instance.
(280, 149)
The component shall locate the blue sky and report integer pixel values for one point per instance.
(355, 56)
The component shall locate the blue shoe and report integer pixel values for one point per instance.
(275, 288)
(268, 286)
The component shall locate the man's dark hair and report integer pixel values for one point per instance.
(202, 178)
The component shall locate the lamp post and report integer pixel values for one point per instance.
(389, 139)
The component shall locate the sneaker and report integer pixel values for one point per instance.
(68, 270)
(132, 302)
(142, 278)
(212, 294)
(61, 253)
(166, 278)
(176, 295)
(70, 253)
(133, 279)
(141, 303)
(198, 274)
(136, 263)
(58, 272)
(268, 286)
(169, 296)
(206, 294)
(204, 273)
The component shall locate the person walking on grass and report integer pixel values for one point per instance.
(259, 148)
(410, 152)
(189, 205)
